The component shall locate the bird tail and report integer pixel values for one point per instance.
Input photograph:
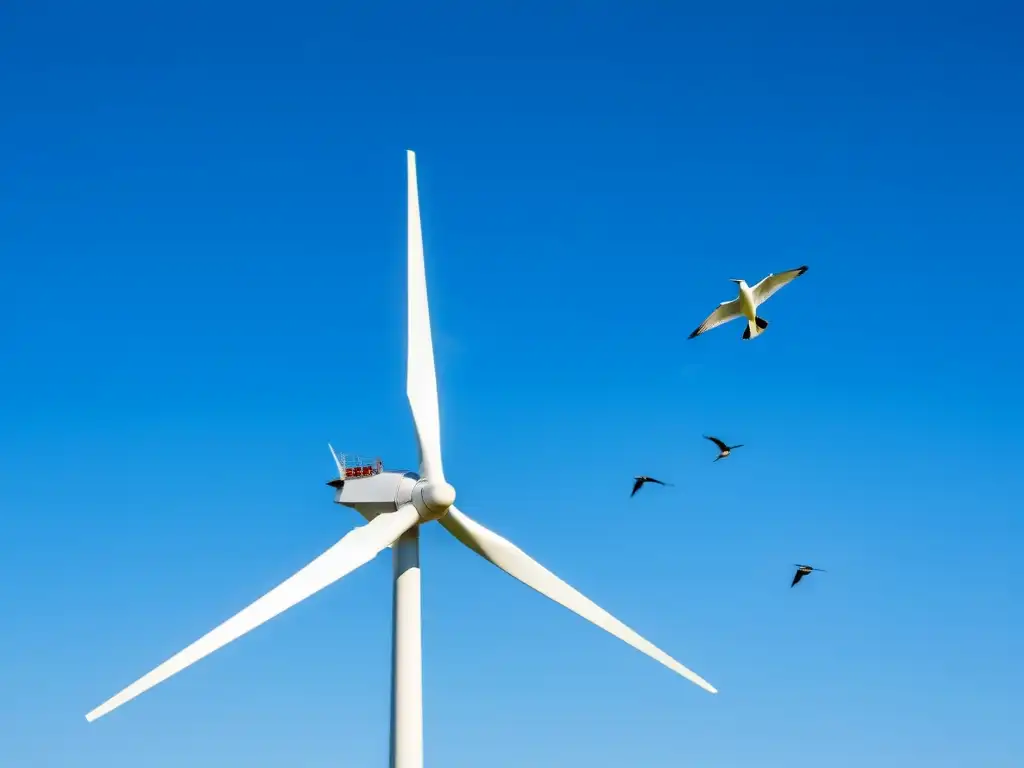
(755, 329)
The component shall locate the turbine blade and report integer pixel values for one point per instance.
(518, 564)
(356, 548)
(421, 378)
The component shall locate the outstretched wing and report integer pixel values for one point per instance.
(727, 310)
(799, 575)
(721, 446)
(652, 480)
(636, 486)
(767, 287)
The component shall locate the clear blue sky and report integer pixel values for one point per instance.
(202, 281)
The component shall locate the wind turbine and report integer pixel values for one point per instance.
(395, 504)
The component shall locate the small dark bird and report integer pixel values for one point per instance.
(801, 571)
(724, 449)
(641, 479)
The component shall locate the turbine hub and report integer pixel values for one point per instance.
(435, 498)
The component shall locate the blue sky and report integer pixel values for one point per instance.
(202, 282)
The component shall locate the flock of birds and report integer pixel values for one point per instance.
(744, 305)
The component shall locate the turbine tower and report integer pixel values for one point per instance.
(395, 505)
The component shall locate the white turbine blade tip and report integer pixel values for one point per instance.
(104, 709)
(695, 678)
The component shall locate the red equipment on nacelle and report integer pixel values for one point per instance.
(356, 466)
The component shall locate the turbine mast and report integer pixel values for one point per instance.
(407, 655)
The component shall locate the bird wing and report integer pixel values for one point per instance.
(721, 446)
(652, 480)
(799, 575)
(767, 287)
(727, 310)
(636, 486)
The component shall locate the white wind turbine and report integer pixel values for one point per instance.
(395, 504)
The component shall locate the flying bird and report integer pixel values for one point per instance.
(641, 479)
(801, 571)
(724, 450)
(747, 302)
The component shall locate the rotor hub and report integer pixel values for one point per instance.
(434, 499)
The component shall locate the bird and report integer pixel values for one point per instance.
(725, 449)
(801, 571)
(641, 479)
(747, 302)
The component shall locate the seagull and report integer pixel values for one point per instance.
(801, 571)
(746, 304)
(725, 449)
(641, 479)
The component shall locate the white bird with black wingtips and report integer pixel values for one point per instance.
(747, 302)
